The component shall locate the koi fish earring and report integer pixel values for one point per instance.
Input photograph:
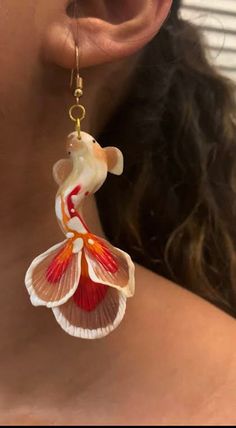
(84, 279)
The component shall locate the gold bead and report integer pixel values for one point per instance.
(78, 93)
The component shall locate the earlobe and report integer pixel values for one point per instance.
(115, 160)
(103, 39)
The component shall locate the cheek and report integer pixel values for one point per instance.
(17, 35)
(23, 24)
(19, 51)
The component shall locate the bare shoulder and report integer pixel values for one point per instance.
(186, 352)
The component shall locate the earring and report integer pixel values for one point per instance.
(84, 279)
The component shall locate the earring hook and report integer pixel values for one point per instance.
(77, 111)
(77, 64)
(75, 76)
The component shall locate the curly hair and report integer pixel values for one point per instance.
(174, 208)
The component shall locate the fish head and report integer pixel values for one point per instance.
(86, 147)
(90, 150)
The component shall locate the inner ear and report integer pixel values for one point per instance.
(113, 11)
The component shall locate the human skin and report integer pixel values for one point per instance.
(173, 359)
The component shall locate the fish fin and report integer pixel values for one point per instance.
(94, 311)
(109, 265)
(53, 276)
(61, 170)
(115, 160)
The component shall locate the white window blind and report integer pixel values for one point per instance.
(217, 18)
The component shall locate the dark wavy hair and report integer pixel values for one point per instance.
(173, 209)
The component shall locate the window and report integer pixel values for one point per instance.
(217, 18)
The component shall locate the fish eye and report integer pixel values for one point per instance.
(93, 140)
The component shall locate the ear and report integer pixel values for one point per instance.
(106, 30)
(115, 160)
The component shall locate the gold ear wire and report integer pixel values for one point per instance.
(77, 111)
(71, 78)
(76, 69)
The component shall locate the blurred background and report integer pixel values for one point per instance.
(217, 18)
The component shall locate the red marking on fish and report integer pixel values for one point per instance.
(58, 265)
(89, 294)
(71, 207)
(70, 203)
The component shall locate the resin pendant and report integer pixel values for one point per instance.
(84, 279)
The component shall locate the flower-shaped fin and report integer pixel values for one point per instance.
(110, 265)
(93, 311)
(53, 277)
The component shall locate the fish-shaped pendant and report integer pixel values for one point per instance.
(84, 279)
